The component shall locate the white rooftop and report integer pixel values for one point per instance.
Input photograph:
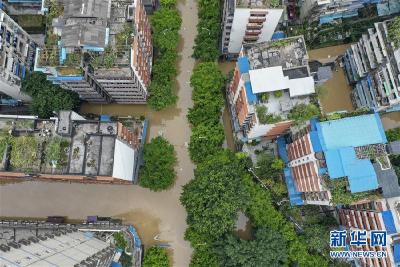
(124, 161)
(272, 79)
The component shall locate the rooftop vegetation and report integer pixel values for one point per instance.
(56, 152)
(25, 154)
(266, 118)
(341, 194)
(394, 31)
(302, 112)
(393, 134)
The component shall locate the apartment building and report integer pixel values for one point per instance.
(328, 11)
(70, 147)
(372, 66)
(381, 215)
(273, 77)
(100, 49)
(17, 56)
(341, 149)
(248, 21)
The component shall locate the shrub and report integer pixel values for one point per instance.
(156, 257)
(302, 112)
(159, 160)
(278, 93)
(393, 134)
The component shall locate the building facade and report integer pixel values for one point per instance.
(100, 50)
(269, 80)
(17, 56)
(248, 21)
(372, 67)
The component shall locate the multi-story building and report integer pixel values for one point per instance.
(248, 21)
(100, 49)
(53, 242)
(380, 215)
(69, 147)
(372, 66)
(327, 11)
(336, 150)
(269, 80)
(17, 56)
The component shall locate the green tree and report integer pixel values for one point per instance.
(156, 257)
(120, 241)
(268, 166)
(302, 112)
(206, 140)
(161, 95)
(46, 97)
(159, 160)
(267, 249)
(166, 24)
(214, 197)
(393, 134)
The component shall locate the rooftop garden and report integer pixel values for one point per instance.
(56, 152)
(393, 134)
(394, 31)
(302, 112)
(5, 140)
(106, 59)
(25, 154)
(266, 118)
(339, 189)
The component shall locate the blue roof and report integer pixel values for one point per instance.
(249, 93)
(294, 196)
(337, 139)
(105, 118)
(396, 252)
(352, 131)
(244, 65)
(282, 149)
(115, 264)
(388, 221)
(278, 35)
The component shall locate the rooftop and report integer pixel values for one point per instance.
(288, 53)
(344, 143)
(258, 3)
(70, 144)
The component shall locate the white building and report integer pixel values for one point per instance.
(248, 21)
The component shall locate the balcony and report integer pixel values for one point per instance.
(256, 20)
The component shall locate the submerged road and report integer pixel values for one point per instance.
(153, 213)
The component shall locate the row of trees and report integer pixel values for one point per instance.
(207, 133)
(158, 171)
(48, 98)
(208, 31)
(166, 23)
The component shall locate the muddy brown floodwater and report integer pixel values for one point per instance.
(155, 214)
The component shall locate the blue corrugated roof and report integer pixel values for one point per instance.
(115, 264)
(388, 221)
(251, 98)
(278, 35)
(105, 118)
(244, 65)
(282, 149)
(396, 252)
(294, 196)
(352, 131)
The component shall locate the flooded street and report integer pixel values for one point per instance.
(154, 214)
(337, 96)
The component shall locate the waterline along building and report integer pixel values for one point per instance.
(100, 49)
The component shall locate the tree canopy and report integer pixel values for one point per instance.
(156, 257)
(47, 97)
(159, 160)
(302, 112)
(214, 197)
(267, 249)
(166, 23)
